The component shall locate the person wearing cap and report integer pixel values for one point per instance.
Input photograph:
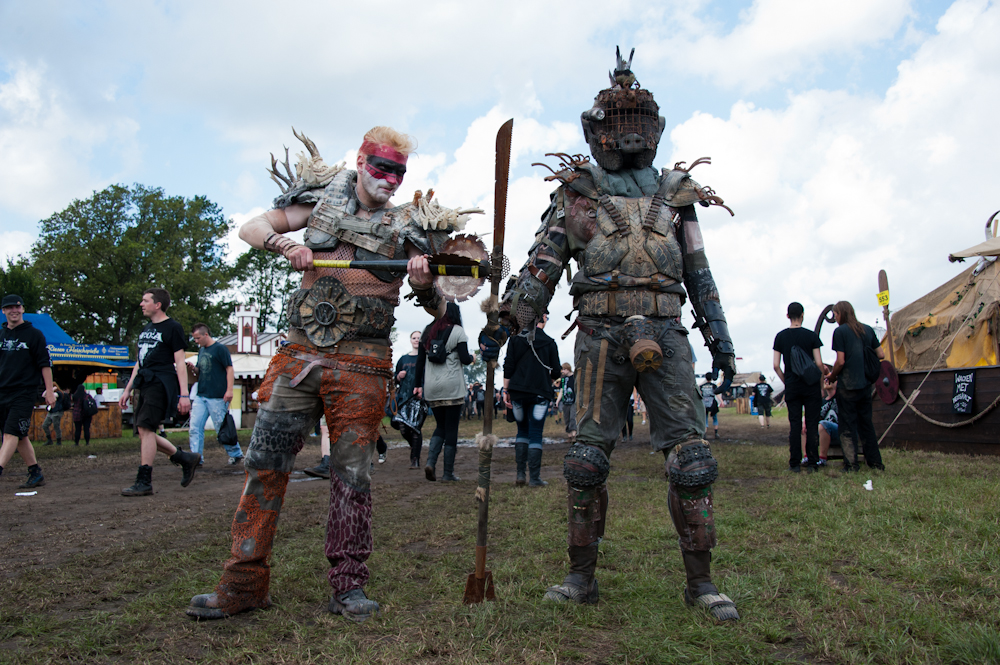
(762, 400)
(24, 363)
(160, 375)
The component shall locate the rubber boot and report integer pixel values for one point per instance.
(433, 450)
(535, 467)
(143, 483)
(58, 441)
(321, 470)
(580, 585)
(700, 592)
(449, 464)
(520, 457)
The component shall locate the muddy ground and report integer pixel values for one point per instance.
(80, 510)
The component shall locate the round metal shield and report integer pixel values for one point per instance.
(459, 289)
(887, 384)
(327, 312)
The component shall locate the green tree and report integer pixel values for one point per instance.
(94, 259)
(476, 371)
(266, 279)
(18, 278)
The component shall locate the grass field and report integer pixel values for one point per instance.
(822, 571)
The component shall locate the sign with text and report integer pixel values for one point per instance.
(963, 391)
(883, 298)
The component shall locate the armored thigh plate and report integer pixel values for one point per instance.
(692, 465)
(585, 466)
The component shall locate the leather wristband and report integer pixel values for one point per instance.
(279, 244)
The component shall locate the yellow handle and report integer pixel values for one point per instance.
(325, 263)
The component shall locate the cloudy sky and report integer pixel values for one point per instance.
(847, 135)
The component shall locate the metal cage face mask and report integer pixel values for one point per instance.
(624, 126)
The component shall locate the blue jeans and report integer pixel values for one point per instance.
(530, 417)
(201, 408)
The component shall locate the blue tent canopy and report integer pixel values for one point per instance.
(53, 333)
(64, 350)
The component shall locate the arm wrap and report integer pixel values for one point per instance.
(427, 296)
(528, 298)
(279, 244)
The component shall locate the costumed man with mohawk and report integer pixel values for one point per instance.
(635, 237)
(337, 362)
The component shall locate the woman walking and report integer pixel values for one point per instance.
(81, 419)
(529, 369)
(406, 381)
(440, 381)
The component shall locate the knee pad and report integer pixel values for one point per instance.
(692, 465)
(585, 466)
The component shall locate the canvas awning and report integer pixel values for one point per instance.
(989, 248)
(63, 349)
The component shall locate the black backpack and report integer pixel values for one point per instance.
(802, 366)
(90, 406)
(873, 366)
(438, 351)
(66, 401)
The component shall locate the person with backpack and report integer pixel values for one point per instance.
(82, 415)
(531, 365)
(708, 390)
(855, 370)
(762, 392)
(444, 348)
(799, 348)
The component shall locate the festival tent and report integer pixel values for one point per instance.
(924, 329)
(63, 349)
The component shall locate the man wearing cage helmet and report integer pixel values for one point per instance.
(337, 362)
(635, 236)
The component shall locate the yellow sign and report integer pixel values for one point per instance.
(883, 298)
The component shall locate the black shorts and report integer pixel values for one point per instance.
(15, 411)
(151, 407)
(764, 409)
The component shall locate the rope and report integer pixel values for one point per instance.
(913, 395)
(909, 403)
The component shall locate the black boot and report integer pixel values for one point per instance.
(449, 464)
(433, 450)
(535, 467)
(321, 470)
(700, 592)
(58, 441)
(143, 483)
(48, 440)
(188, 462)
(580, 585)
(520, 457)
(35, 478)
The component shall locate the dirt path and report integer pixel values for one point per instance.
(80, 510)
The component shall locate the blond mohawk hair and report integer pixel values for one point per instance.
(388, 136)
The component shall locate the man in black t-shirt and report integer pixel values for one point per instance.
(24, 363)
(799, 394)
(160, 376)
(762, 400)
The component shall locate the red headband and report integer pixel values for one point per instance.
(377, 150)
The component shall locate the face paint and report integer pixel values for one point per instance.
(385, 169)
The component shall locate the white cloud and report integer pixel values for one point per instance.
(834, 186)
(46, 146)
(774, 39)
(15, 243)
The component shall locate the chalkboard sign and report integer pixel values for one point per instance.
(965, 388)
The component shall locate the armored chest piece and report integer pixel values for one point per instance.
(326, 312)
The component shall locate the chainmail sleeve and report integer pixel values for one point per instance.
(528, 295)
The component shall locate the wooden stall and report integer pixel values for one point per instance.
(107, 424)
